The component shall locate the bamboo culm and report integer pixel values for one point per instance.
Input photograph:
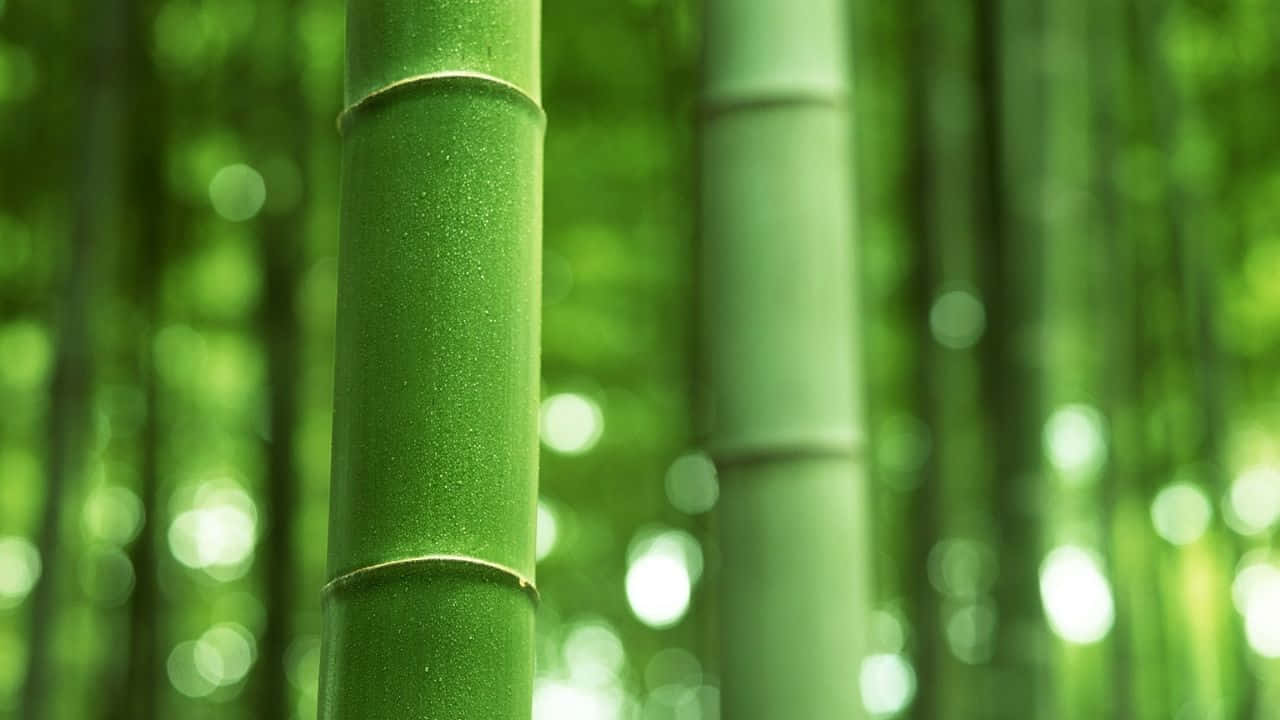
(429, 608)
(780, 414)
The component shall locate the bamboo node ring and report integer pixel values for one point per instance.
(370, 572)
(445, 75)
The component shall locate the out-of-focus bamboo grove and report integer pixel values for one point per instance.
(1066, 263)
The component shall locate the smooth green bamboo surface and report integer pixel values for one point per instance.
(435, 413)
(779, 360)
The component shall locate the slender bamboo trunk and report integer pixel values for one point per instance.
(70, 384)
(778, 328)
(1116, 383)
(137, 696)
(136, 699)
(1009, 380)
(281, 248)
(429, 607)
(925, 515)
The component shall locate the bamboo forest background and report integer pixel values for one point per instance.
(1068, 257)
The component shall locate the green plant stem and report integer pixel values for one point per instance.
(436, 392)
(780, 411)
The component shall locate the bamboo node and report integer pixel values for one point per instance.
(370, 572)
(716, 104)
(442, 76)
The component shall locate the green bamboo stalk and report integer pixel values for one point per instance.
(1011, 172)
(920, 190)
(779, 357)
(95, 214)
(429, 607)
(136, 696)
(281, 257)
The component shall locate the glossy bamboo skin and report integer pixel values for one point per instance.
(436, 391)
(780, 411)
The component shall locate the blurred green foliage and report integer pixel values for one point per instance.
(1138, 168)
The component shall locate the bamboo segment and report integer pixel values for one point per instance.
(779, 365)
(435, 413)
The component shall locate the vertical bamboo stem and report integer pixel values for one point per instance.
(429, 608)
(779, 357)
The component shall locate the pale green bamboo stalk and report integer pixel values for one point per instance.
(779, 357)
(429, 608)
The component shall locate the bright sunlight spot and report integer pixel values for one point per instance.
(571, 423)
(691, 483)
(957, 319)
(1075, 442)
(888, 684)
(183, 668)
(887, 632)
(224, 654)
(237, 192)
(1181, 513)
(1256, 570)
(1076, 596)
(555, 700)
(1256, 593)
(1262, 614)
(1254, 500)
(593, 654)
(971, 632)
(217, 535)
(660, 575)
(112, 514)
(19, 569)
(547, 530)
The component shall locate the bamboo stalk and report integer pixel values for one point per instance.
(136, 697)
(779, 357)
(281, 256)
(429, 608)
(1010, 172)
(95, 211)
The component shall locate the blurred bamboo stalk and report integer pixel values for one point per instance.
(281, 247)
(429, 610)
(782, 410)
(136, 698)
(94, 217)
(1010, 179)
